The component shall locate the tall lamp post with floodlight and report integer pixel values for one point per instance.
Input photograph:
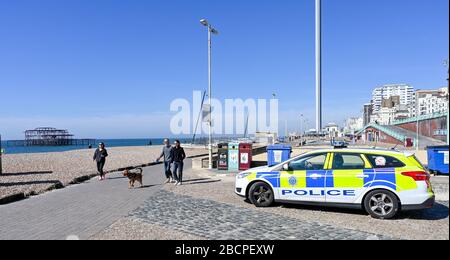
(318, 66)
(446, 63)
(211, 31)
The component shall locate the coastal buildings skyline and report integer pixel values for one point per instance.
(115, 72)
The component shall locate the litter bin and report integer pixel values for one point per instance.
(223, 157)
(277, 154)
(233, 157)
(438, 159)
(245, 156)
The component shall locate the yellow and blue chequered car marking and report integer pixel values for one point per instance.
(380, 177)
(347, 179)
(272, 177)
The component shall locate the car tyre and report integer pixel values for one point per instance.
(382, 204)
(261, 195)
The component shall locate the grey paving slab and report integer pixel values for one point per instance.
(78, 211)
(220, 221)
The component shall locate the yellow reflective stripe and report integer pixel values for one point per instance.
(404, 182)
(348, 179)
(300, 177)
(366, 162)
(251, 177)
(329, 162)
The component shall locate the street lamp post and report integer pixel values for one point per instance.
(211, 31)
(301, 130)
(417, 122)
(446, 63)
(318, 66)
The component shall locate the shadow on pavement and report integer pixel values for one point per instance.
(147, 186)
(12, 184)
(438, 212)
(323, 209)
(200, 182)
(117, 178)
(195, 180)
(25, 173)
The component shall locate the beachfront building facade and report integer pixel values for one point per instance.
(353, 125)
(332, 131)
(429, 102)
(404, 92)
(388, 115)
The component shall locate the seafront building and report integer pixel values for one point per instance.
(399, 115)
(353, 125)
(404, 92)
(431, 101)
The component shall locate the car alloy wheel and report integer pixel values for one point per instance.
(261, 195)
(381, 204)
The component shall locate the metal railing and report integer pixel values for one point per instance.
(420, 118)
(388, 131)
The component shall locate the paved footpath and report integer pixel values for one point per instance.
(79, 211)
(220, 221)
(82, 211)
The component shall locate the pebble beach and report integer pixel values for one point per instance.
(32, 174)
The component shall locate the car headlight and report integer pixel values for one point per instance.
(243, 175)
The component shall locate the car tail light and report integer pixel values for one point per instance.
(417, 176)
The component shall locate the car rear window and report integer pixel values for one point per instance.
(384, 161)
(348, 162)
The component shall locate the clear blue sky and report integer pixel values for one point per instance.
(110, 68)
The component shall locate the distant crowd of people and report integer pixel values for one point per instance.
(173, 161)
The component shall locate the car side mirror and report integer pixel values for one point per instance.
(286, 167)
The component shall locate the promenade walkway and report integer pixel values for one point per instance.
(78, 211)
(203, 207)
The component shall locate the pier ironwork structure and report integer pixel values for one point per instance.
(48, 136)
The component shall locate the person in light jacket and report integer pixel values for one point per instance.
(168, 159)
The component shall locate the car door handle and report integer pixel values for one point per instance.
(316, 176)
(363, 176)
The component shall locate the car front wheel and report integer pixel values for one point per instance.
(381, 204)
(261, 195)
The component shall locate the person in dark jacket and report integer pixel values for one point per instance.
(100, 158)
(178, 156)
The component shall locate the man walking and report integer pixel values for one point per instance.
(167, 154)
(178, 162)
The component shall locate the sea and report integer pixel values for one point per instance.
(108, 142)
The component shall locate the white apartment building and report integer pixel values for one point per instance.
(433, 102)
(386, 115)
(353, 125)
(430, 102)
(404, 91)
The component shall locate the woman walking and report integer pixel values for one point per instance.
(178, 162)
(100, 158)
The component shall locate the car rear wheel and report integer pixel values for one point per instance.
(261, 195)
(382, 204)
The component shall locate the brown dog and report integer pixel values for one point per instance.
(134, 175)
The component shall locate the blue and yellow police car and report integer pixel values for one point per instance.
(382, 182)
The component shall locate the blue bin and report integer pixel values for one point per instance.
(277, 154)
(438, 159)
